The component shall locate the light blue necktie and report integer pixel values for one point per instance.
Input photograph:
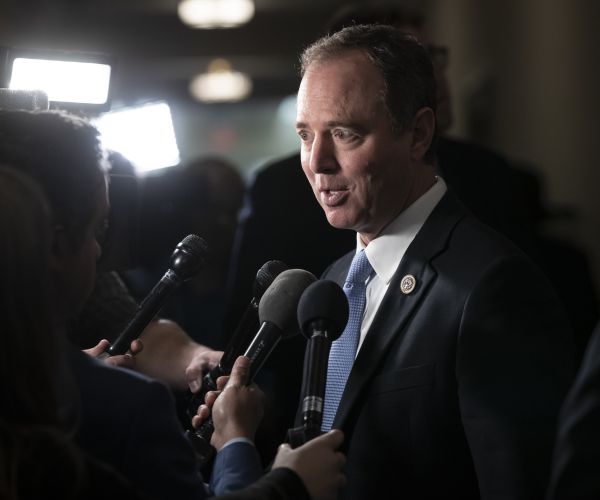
(343, 350)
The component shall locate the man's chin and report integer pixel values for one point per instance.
(336, 221)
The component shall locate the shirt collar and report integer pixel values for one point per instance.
(386, 251)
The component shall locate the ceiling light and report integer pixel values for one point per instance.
(215, 13)
(221, 84)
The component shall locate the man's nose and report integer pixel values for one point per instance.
(322, 155)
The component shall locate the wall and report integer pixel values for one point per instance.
(525, 77)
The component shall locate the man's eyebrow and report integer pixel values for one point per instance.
(337, 123)
(334, 123)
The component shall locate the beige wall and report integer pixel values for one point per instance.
(534, 65)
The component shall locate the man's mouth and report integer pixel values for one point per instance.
(332, 197)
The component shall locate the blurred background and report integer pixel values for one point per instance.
(524, 76)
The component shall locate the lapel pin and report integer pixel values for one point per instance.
(408, 283)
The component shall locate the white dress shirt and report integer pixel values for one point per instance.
(387, 250)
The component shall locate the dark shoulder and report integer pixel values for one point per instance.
(281, 169)
(458, 151)
(282, 179)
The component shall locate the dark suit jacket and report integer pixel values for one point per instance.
(576, 466)
(129, 421)
(456, 388)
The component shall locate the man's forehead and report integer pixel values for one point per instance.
(339, 85)
(349, 58)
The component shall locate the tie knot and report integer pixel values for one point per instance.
(360, 269)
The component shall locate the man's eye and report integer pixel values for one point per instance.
(343, 134)
(303, 135)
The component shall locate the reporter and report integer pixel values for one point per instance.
(37, 456)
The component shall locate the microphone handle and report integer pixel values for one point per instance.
(315, 379)
(146, 311)
(262, 345)
(297, 436)
(314, 382)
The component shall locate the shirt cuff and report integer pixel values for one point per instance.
(237, 440)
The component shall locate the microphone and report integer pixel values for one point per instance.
(241, 336)
(277, 314)
(186, 260)
(322, 314)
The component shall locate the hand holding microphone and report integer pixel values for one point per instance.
(277, 314)
(238, 408)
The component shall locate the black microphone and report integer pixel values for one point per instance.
(241, 337)
(277, 313)
(322, 314)
(187, 259)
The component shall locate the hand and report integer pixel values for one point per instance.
(317, 463)
(126, 360)
(210, 397)
(238, 408)
(203, 359)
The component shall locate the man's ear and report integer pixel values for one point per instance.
(423, 128)
(61, 249)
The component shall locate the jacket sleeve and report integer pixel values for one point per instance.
(236, 466)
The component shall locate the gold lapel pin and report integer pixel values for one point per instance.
(408, 284)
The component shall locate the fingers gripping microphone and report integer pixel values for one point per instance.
(187, 259)
(322, 315)
(241, 337)
(277, 314)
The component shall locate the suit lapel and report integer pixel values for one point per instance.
(397, 307)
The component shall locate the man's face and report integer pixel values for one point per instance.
(360, 171)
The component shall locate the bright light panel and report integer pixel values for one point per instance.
(63, 81)
(144, 135)
(215, 13)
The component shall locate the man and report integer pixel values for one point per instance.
(279, 201)
(460, 359)
(120, 417)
